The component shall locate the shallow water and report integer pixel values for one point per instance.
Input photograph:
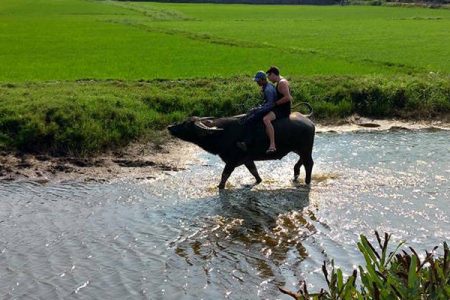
(177, 237)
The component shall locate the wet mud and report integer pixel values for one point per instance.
(137, 161)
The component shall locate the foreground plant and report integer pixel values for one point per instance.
(393, 275)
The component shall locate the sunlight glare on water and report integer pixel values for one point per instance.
(179, 237)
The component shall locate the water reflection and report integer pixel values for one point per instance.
(178, 237)
(250, 233)
(269, 219)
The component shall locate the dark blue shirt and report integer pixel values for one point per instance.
(270, 97)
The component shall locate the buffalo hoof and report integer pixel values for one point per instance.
(258, 181)
(295, 178)
(221, 186)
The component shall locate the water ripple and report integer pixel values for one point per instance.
(178, 237)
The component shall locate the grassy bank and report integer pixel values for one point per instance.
(84, 117)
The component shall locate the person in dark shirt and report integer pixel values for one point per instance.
(256, 114)
(282, 108)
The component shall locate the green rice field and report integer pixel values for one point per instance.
(77, 39)
(85, 76)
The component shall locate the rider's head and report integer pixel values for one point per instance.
(260, 78)
(273, 74)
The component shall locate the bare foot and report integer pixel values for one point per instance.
(271, 150)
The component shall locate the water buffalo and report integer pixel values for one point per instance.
(219, 136)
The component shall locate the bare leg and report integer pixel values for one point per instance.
(225, 175)
(253, 170)
(269, 129)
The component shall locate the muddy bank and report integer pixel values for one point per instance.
(147, 161)
(137, 161)
(356, 123)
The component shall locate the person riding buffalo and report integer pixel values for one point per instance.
(282, 108)
(255, 115)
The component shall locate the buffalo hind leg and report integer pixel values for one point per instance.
(225, 175)
(253, 170)
(308, 163)
(297, 168)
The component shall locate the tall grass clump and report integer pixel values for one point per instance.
(80, 126)
(386, 275)
(412, 97)
(88, 116)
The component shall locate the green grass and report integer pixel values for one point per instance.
(90, 116)
(416, 38)
(73, 39)
(199, 58)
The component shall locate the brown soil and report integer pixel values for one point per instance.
(148, 161)
(356, 123)
(137, 161)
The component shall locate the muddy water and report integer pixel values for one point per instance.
(177, 237)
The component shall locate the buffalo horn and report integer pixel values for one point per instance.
(199, 124)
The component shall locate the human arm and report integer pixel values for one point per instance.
(283, 87)
(270, 97)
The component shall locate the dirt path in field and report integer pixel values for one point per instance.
(148, 161)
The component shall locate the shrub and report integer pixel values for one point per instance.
(386, 275)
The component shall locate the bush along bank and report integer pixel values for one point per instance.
(88, 116)
(385, 275)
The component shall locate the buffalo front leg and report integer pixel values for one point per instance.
(253, 170)
(225, 175)
(297, 168)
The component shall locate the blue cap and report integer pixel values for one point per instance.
(260, 75)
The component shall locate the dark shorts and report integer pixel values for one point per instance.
(282, 111)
